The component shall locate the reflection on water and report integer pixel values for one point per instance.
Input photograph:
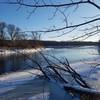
(2, 64)
(98, 50)
(16, 62)
(20, 62)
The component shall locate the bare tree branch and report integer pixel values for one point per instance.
(46, 5)
(66, 27)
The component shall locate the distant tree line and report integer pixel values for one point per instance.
(45, 44)
(12, 32)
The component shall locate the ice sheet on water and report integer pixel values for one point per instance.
(8, 82)
(18, 77)
(42, 96)
(6, 89)
(89, 71)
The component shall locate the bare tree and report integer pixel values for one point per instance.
(36, 36)
(11, 31)
(2, 30)
(14, 33)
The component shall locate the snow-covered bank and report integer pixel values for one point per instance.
(16, 51)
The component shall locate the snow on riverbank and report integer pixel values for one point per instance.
(16, 51)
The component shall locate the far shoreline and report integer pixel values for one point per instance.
(29, 44)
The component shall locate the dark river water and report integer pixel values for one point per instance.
(17, 62)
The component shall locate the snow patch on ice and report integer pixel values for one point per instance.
(89, 71)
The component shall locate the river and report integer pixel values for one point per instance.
(17, 62)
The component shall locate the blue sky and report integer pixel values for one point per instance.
(41, 19)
